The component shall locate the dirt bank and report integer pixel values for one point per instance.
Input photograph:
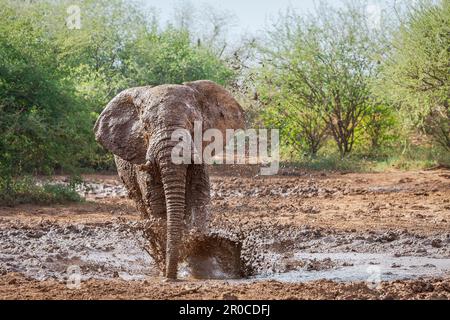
(15, 286)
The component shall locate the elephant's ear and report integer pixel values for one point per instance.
(120, 130)
(219, 109)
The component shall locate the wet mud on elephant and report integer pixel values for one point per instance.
(137, 126)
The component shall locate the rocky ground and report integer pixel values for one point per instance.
(306, 235)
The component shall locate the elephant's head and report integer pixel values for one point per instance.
(137, 124)
(122, 130)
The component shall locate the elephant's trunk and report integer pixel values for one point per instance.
(174, 181)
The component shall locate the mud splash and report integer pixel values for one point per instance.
(202, 256)
(116, 250)
(299, 254)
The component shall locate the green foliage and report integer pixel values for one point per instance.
(380, 129)
(26, 190)
(302, 128)
(334, 84)
(332, 162)
(316, 78)
(42, 121)
(413, 157)
(54, 81)
(169, 57)
(416, 75)
(333, 74)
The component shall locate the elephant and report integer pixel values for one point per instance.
(137, 125)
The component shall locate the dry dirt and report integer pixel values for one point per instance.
(304, 235)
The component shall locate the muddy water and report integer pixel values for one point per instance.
(115, 250)
(369, 267)
(52, 251)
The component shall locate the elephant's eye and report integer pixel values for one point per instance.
(222, 115)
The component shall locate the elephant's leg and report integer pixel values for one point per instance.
(156, 196)
(129, 176)
(198, 197)
(156, 223)
(146, 190)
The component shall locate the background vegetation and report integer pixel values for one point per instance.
(347, 90)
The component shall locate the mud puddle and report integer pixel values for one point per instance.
(353, 266)
(108, 250)
(115, 250)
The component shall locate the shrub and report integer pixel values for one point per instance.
(28, 190)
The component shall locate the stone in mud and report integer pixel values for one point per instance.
(421, 250)
(317, 265)
(422, 286)
(436, 243)
(388, 237)
(293, 265)
(35, 234)
(429, 265)
(228, 296)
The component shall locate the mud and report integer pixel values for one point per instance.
(48, 249)
(342, 236)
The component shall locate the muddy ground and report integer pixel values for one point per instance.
(306, 235)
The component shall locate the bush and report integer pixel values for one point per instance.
(415, 75)
(314, 78)
(27, 190)
(54, 81)
(412, 154)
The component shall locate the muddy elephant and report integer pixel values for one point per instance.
(137, 126)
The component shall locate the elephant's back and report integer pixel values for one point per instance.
(165, 96)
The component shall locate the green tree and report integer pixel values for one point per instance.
(168, 56)
(378, 127)
(416, 73)
(41, 119)
(302, 126)
(55, 80)
(324, 63)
